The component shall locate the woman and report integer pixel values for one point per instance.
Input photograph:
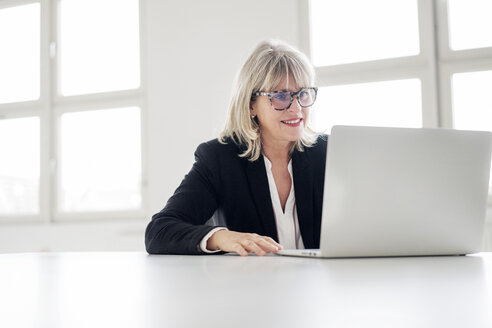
(259, 187)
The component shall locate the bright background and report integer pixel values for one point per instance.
(191, 51)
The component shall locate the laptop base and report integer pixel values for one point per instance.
(317, 253)
(300, 252)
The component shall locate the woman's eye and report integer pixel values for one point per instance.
(281, 96)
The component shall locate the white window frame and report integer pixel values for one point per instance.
(434, 65)
(455, 61)
(51, 105)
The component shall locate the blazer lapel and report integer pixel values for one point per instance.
(303, 185)
(258, 182)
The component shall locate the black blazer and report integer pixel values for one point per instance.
(223, 189)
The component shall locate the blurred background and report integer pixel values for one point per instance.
(103, 102)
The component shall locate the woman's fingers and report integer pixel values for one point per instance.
(260, 244)
(252, 247)
(267, 246)
(239, 249)
(242, 243)
(270, 240)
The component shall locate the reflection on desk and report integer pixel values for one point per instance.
(140, 290)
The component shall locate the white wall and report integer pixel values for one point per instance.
(193, 50)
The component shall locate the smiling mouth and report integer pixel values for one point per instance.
(295, 122)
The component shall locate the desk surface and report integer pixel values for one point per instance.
(138, 290)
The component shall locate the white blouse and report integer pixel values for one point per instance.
(289, 234)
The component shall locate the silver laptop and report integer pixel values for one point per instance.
(403, 192)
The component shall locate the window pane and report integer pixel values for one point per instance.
(100, 160)
(99, 46)
(19, 166)
(390, 103)
(19, 54)
(472, 102)
(347, 31)
(470, 24)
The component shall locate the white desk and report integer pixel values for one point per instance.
(137, 290)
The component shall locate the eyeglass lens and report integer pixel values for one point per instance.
(282, 100)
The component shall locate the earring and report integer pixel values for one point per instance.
(253, 117)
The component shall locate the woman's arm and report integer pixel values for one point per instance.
(180, 226)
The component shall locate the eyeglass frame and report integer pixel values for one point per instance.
(292, 95)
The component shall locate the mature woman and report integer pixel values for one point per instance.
(259, 186)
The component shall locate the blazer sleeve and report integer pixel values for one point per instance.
(180, 226)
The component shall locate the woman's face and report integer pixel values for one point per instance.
(280, 126)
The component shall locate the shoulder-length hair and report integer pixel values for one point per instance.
(263, 70)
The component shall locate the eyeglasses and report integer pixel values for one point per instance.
(281, 100)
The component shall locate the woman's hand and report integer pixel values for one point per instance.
(242, 243)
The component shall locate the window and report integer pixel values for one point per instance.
(469, 24)
(71, 106)
(408, 63)
(390, 103)
(356, 30)
(20, 55)
(19, 167)
(107, 48)
(100, 171)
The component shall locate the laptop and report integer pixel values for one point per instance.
(403, 192)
